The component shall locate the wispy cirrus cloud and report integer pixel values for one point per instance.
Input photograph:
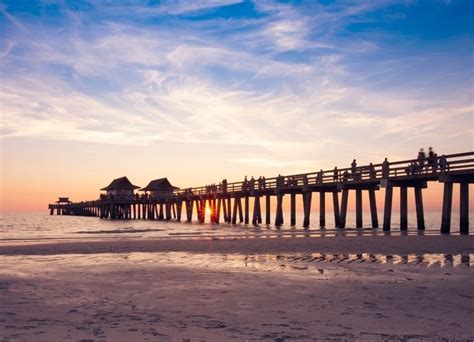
(284, 78)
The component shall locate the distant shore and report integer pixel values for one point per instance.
(335, 244)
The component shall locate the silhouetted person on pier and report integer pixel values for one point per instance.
(385, 168)
(264, 183)
(414, 168)
(434, 165)
(280, 181)
(252, 183)
(354, 166)
(335, 176)
(372, 171)
(432, 159)
(443, 164)
(345, 176)
(319, 177)
(421, 158)
(245, 184)
(224, 185)
(430, 155)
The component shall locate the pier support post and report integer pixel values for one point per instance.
(267, 209)
(307, 196)
(241, 215)
(217, 214)
(161, 216)
(335, 202)
(447, 204)
(256, 218)
(189, 210)
(279, 211)
(168, 211)
(373, 209)
(322, 209)
(224, 209)
(420, 217)
(387, 213)
(202, 210)
(345, 198)
(234, 215)
(179, 207)
(358, 208)
(247, 209)
(464, 208)
(229, 214)
(292, 209)
(403, 208)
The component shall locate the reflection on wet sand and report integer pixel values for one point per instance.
(314, 262)
(269, 233)
(427, 260)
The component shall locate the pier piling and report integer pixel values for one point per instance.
(464, 208)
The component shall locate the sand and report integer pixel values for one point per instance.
(418, 244)
(248, 289)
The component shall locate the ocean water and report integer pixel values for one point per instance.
(41, 225)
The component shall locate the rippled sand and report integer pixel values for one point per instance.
(341, 288)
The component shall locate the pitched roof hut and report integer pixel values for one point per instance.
(63, 200)
(120, 186)
(159, 187)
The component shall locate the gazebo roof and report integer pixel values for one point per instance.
(121, 183)
(161, 184)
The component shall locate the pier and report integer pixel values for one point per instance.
(162, 201)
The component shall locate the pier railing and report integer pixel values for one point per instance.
(404, 169)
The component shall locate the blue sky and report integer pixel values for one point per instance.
(286, 85)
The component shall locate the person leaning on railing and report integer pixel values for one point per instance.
(385, 168)
(280, 181)
(319, 177)
(443, 164)
(372, 171)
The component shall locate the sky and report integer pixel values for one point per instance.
(198, 91)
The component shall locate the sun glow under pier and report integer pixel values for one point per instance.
(232, 200)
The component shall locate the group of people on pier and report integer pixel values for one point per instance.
(423, 163)
(248, 185)
(355, 172)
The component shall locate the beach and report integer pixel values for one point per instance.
(272, 289)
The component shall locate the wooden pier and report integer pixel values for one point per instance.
(162, 201)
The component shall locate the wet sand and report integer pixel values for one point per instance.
(249, 289)
(418, 244)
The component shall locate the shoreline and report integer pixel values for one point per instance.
(418, 244)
